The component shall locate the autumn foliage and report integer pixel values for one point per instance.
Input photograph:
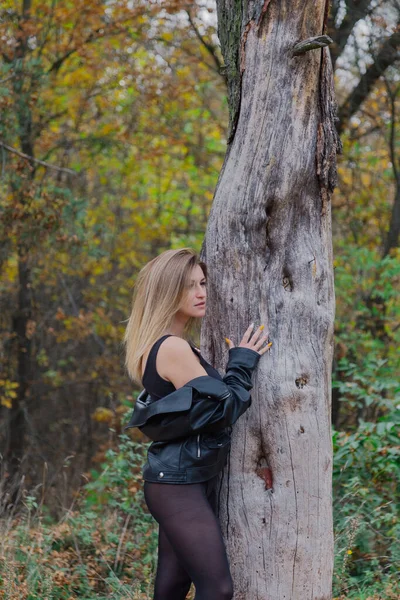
(113, 122)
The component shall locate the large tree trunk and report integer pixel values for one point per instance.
(268, 249)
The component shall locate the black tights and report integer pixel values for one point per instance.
(190, 544)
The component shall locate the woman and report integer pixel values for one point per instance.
(188, 409)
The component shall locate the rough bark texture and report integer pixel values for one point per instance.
(268, 249)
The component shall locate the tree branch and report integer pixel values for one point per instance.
(186, 51)
(57, 64)
(209, 47)
(355, 11)
(358, 136)
(7, 78)
(42, 122)
(112, 29)
(334, 11)
(386, 57)
(95, 35)
(36, 160)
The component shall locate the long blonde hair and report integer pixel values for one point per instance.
(158, 293)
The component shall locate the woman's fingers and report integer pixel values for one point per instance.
(247, 334)
(264, 350)
(229, 342)
(261, 341)
(256, 337)
(254, 341)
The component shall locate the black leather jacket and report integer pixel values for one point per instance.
(191, 427)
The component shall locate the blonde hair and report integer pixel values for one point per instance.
(158, 293)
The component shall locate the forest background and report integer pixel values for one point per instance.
(113, 124)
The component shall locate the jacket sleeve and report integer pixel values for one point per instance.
(205, 404)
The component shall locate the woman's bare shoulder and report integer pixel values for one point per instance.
(176, 359)
(174, 345)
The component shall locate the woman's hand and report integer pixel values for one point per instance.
(253, 342)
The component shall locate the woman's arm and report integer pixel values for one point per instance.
(203, 405)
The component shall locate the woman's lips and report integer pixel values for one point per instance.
(201, 304)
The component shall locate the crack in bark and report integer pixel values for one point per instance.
(242, 52)
(295, 501)
(263, 470)
(261, 14)
(270, 516)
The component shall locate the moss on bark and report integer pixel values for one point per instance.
(230, 20)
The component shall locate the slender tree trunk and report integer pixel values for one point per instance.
(392, 239)
(17, 424)
(268, 249)
(21, 187)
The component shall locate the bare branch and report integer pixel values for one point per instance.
(7, 78)
(355, 11)
(209, 47)
(57, 64)
(386, 57)
(358, 136)
(42, 122)
(36, 160)
(186, 51)
(99, 33)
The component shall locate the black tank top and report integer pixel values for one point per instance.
(157, 386)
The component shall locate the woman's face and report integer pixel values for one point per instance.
(194, 301)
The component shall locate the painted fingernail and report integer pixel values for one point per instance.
(262, 327)
(269, 345)
(227, 340)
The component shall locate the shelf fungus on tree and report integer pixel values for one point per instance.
(312, 43)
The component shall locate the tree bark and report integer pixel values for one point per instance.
(268, 249)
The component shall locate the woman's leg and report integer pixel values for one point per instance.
(172, 582)
(192, 529)
(211, 489)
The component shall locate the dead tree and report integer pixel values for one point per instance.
(269, 253)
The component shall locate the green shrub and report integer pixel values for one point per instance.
(366, 486)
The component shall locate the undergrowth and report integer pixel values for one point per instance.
(106, 545)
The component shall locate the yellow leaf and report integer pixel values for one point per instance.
(102, 415)
(5, 402)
